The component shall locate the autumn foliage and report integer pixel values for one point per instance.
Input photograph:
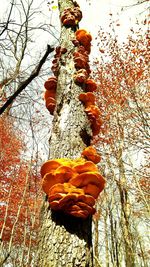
(10, 145)
(122, 71)
(123, 78)
(19, 196)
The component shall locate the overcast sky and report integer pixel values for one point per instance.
(95, 14)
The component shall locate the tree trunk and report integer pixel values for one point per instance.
(65, 240)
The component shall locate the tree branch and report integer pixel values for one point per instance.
(23, 84)
(8, 19)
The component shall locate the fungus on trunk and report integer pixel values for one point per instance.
(87, 99)
(72, 185)
(51, 84)
(90, 153)
(50, 104)
(71, 132)
(92, 111)
(84, 38)
(90, 85)
(48, 94)
(71, 16)
(80, 76)
(66, 182)
(81, 59)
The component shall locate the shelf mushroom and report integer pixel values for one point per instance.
(72, 185)
(92, 111)
(87, 99)
(96, 126)
(90, 153)
(48, 94)
(71, 200)
(50, 104)
(80, 76)
(81, 60)
(71, 16)
(84, 39)
(51, 84)
(93, 190)
(90, 85)
(61, 175)
(86, 166)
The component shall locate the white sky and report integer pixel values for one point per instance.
(95, 14)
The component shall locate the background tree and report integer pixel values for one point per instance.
(20, 197)
(20, 131)
(123, 78)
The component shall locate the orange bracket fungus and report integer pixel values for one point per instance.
(81, 61)
(92, 111)
(90, 153)
(90, 85)
(72, 185)
(71, 200)
(96, 126)
(51, 84)
(71, 16)
(84, 38)
(55, 66)
(48, 94)
(50, 104)
(80, 76)
(87, 99)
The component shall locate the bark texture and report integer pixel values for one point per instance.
(65, 240)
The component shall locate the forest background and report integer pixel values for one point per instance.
(120, 64)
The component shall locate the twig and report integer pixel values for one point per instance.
(23, 84)
(8, 20)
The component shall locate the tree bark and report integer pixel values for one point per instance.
(65, 240)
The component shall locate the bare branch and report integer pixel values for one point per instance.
(23, 84)
(8, 19)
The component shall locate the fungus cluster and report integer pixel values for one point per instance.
(49, 95)
(58, 52)
(81, 77)
(92, 111)
(90, 85)
(71, 16)
(73, 185)
(51, 84)
(84, 38)
(81, 59)
(90, 153)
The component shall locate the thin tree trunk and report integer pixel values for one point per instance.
(126, 229)
(96, 243)
(65, 240)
